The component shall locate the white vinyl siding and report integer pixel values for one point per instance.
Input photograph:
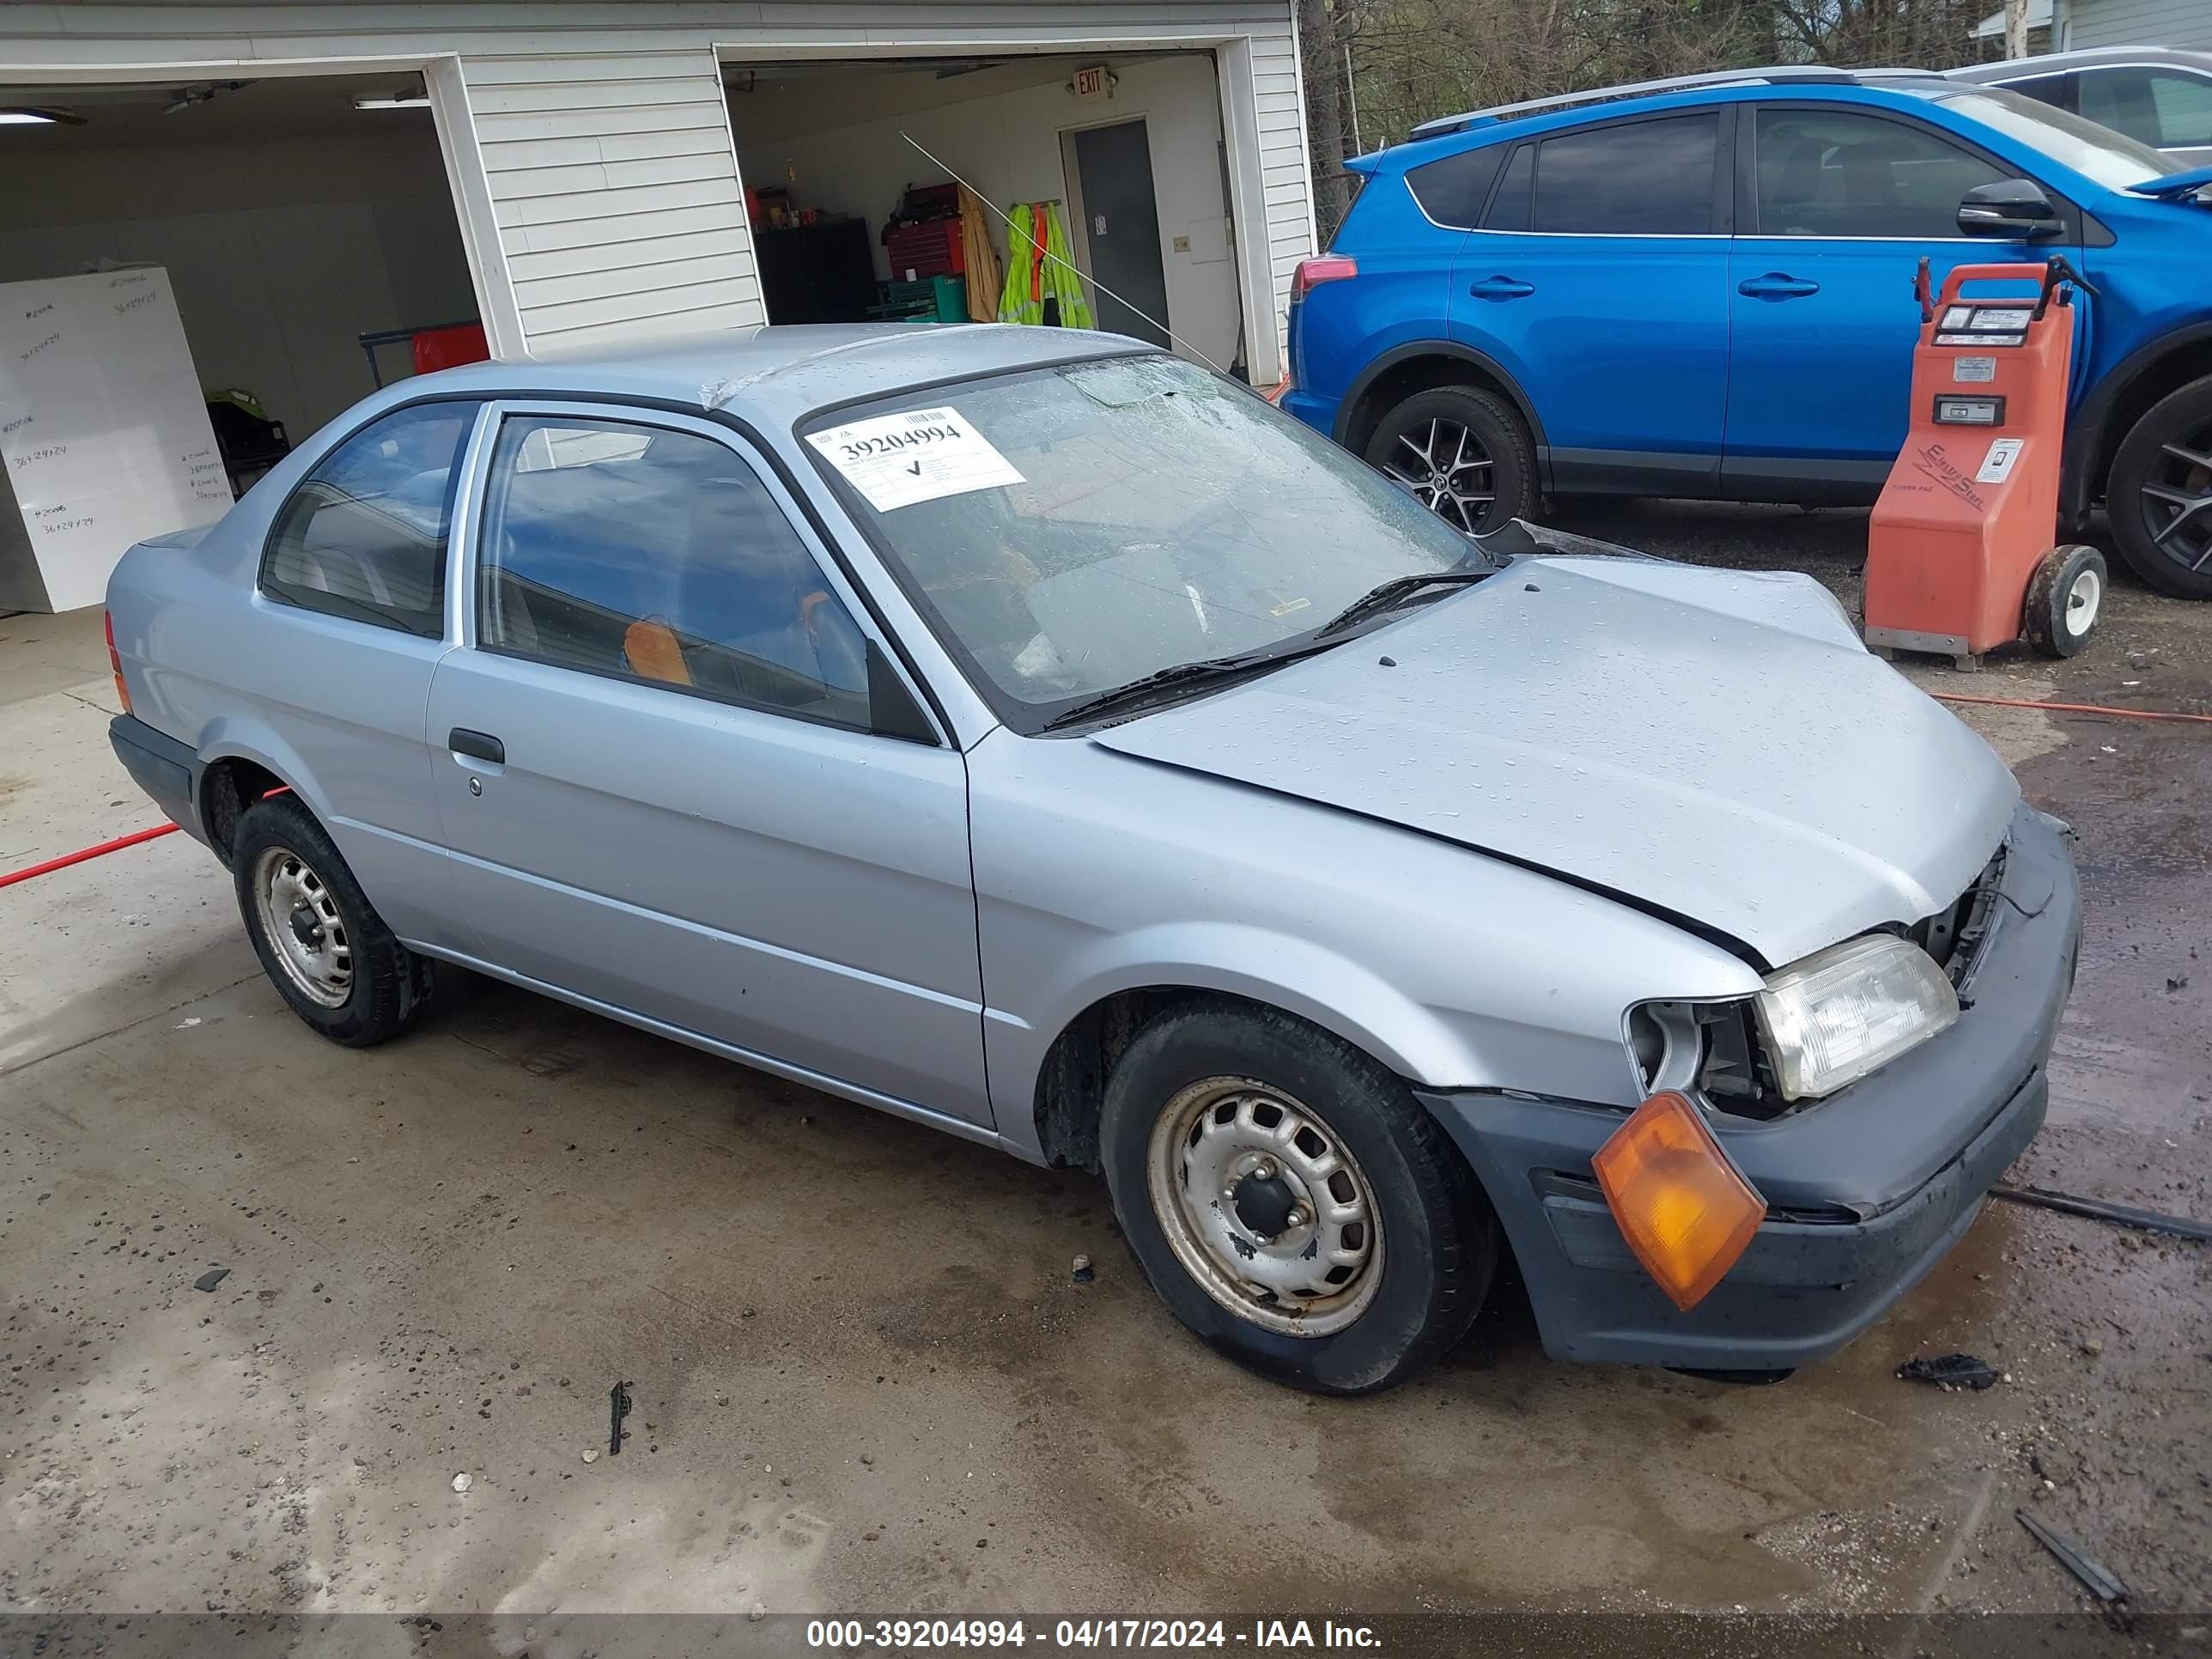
(2139, 23)
(597, 142)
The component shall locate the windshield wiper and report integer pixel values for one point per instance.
(1384, 595)
(1166, 679)
(1378, 598)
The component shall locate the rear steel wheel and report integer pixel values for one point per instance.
(1265, 1208)
(320, 941)
(300, 919)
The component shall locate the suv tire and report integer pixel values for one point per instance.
(2162, 486)
(1244, 1147)
(321, 943)
(1453, 446)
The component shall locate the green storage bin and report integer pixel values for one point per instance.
(933, 299)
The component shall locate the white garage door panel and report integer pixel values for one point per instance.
(643, 254)
(641, 76)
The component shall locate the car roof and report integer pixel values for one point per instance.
(1785, 76)
(2056, 63)
(779, 374)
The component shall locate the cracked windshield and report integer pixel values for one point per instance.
(1076, 529)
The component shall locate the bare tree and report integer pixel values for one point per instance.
(1410, 60)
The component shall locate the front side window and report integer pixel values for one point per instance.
(1093, 523)
(1833, 173)
(364, 535)
(1643, 179)
(2166, 107)
(652, 555)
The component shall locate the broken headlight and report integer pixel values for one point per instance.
(1847, 1010)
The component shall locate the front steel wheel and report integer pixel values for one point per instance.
(1290, 1199)
(1265, 1208)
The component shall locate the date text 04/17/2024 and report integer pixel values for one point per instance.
(1263, 1635)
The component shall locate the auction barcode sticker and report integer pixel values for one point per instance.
(923, 455)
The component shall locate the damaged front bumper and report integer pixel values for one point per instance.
(1866, 1191)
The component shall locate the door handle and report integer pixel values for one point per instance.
(477, 745)
(1776, 285)
(1501, 288)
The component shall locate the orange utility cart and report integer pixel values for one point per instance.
(1960, 557)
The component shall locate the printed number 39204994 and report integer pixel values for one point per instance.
(891, 442)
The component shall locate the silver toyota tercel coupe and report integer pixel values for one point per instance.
(1031, 734)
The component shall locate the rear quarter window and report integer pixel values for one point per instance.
(1452, 190)
(364, 534)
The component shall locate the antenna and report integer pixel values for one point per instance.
(1174, 336)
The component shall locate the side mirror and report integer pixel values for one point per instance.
(2011, 209)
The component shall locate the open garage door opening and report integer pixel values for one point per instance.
(1118, 161)
(195, 263)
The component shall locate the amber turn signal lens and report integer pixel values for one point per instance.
(1681, 1206)
(115, 661)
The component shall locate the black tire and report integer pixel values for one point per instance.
(2066, 599)
(1436, 1245)
(387, 982)
(1424, 422)
(2169, 450)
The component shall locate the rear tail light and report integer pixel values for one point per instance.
(115, 660)
(1684, 1210)
(1312, 273)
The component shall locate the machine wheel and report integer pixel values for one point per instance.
(1291, 1201)
(1463, 453)
(323, 946)
(2065, 597)
(2160, 494)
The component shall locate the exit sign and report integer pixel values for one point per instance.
(1093, 85)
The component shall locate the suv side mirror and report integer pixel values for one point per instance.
(2011, 208)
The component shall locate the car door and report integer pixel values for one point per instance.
(662, 778)
(1598, 280)
(1839, 206)
(354, 611)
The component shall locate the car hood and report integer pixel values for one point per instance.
(1715, 745)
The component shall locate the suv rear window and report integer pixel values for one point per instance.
(1637, 178)
(1451, 191)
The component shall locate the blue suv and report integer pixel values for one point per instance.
(1703, 288)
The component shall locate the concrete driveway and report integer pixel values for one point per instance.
(864, 1381)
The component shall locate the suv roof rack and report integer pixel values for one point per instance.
(1798, 75)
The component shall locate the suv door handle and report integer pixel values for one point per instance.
(1776, 285)
(479, 745)
(1501, 288)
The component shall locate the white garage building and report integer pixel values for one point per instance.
(575, 174)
